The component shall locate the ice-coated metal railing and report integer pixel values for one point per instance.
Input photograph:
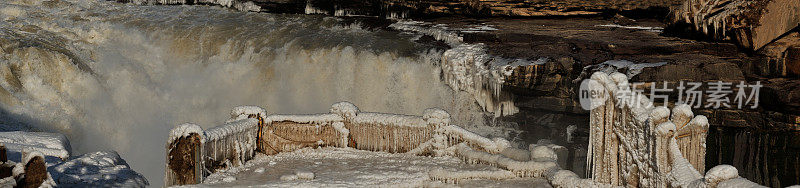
(194, 153)
(634, 144)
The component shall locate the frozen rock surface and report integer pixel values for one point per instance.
(53, 146)
(98, 169)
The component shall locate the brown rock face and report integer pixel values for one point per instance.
(793, 61)
(182, 159)
(751, 23)
(570, 49)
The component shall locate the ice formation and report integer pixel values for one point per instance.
(234, 142)
(304, 175)
(184, 130)
(241, 112)
(468, 67)
(650, 29)
(633, 143)
(614, 66)
(111, 75)
(654, 158)
(311, 118)
(231, 128)
(560, 152)
(345, 109)
(394, 133)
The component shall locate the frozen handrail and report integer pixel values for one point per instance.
(633, 144)
(345, 126)
(193, 153)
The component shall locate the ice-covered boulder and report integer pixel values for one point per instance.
(98, 169)
(54, 147)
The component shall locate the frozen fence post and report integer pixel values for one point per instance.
(436, 117)
(184, 152)
(5, 169)
(241, 112)
(3, 155)
(345, 109)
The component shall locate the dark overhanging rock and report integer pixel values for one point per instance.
(750, 23)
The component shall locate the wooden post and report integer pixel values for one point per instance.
(184, 164)
(35, 173)
(5, 169)
(3, 155)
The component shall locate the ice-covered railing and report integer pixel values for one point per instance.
(284, 133)
(634, 144)
(193, 153)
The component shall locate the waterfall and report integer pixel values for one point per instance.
(117, 77)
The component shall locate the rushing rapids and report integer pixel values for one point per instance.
(117, 76)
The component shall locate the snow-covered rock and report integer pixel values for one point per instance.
(53, 146)
(516, 154)
(98, 169)
(389, 119)
(304, 175)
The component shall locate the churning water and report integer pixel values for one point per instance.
(118, 77)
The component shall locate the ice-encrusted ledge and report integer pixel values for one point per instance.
(468, 67)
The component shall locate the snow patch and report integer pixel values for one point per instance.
(304, 175)
(436, 116)
(48, 144)
(389, 119)
(230, 128)
(98, 169)
(310, 118)
(184, 130)
(241, 112)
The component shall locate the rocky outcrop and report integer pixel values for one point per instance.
(426, 8)
(564, 51)
(751, 23)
